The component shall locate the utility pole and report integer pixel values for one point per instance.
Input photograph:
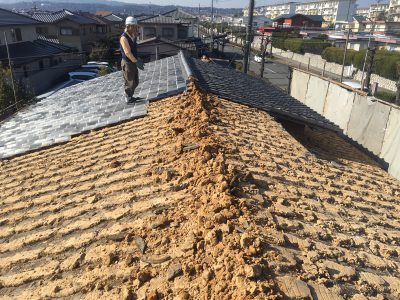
(347, 40)
(369, 67)
(212, 26)
(11, 71)
(371, 33)
(344, 54)
(249, 33)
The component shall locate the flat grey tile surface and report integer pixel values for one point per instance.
(89, 105)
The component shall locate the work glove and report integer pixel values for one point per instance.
(140, 64)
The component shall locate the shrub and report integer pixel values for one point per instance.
(294, 45)
(386, 96)
(333, 54)
(299, 45)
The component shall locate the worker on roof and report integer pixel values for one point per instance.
(130, 61)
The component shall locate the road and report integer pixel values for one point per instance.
(276, 73)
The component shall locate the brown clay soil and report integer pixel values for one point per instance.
(201, 199)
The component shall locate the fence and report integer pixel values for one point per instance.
(370, 122)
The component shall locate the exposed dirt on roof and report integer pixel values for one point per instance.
(202, 199)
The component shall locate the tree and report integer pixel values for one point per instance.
(264, 46)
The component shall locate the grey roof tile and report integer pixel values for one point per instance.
(89, 105)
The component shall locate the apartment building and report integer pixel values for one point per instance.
(394, 10)
(362, 11)
(377, 9)
(331, 10)
(274, 11)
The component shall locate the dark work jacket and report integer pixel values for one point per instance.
(132, 44)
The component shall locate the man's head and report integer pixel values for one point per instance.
(131, 25)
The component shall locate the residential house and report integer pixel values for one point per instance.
(191, 20)
(37, 62)
(382, 27)
(298, 20)
(78, 30)
(117, 24)
(157, 48)
(257, 21)
(164, 26)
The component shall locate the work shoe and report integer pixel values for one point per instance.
(129, 100)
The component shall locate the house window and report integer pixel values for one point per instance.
(149, 32)
(66, 31)
(16, 35)
(42, 30)
(168, 32)
(182, 33)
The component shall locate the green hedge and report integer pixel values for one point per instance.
(333, 54)
(299, 45)
(387, 96)
(385, 62)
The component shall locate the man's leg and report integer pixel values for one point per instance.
(127, 78)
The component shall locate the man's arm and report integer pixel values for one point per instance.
(127, 49)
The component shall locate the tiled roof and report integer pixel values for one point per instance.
(8, 18)
(160, 19)
(113, 18)
(53, 17)
(317, 18)
(242, 88)
(24, 52)
(89, 105)
(179, 13)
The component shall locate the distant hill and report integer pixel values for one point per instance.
(95, 5)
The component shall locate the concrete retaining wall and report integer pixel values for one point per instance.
(316, 61)
(373, 124)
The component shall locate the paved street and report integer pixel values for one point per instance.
(275, 72)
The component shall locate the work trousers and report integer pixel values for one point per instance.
(131, 77)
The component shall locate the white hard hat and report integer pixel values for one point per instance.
(130, 21)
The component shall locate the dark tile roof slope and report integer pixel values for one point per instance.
(25, 52)
(317, 18)
(113, 18)
(160, 19)
(8, 18)
(254, 92)
(53, 17)
(179, 14)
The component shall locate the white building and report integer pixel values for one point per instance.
(273, 11)
(362, 11)
(394, 10)
(257, 21)
(373, 11)
(331, 10)
(376, 9)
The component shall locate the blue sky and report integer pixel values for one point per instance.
(228, 3)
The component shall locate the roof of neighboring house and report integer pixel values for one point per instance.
(315, 18)
(113, 18)
(9, 18)
(199, 193)
(160, 19)
(25, 52)
(54, 17)
(182, 44)
(103, 13)
(179, 13)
